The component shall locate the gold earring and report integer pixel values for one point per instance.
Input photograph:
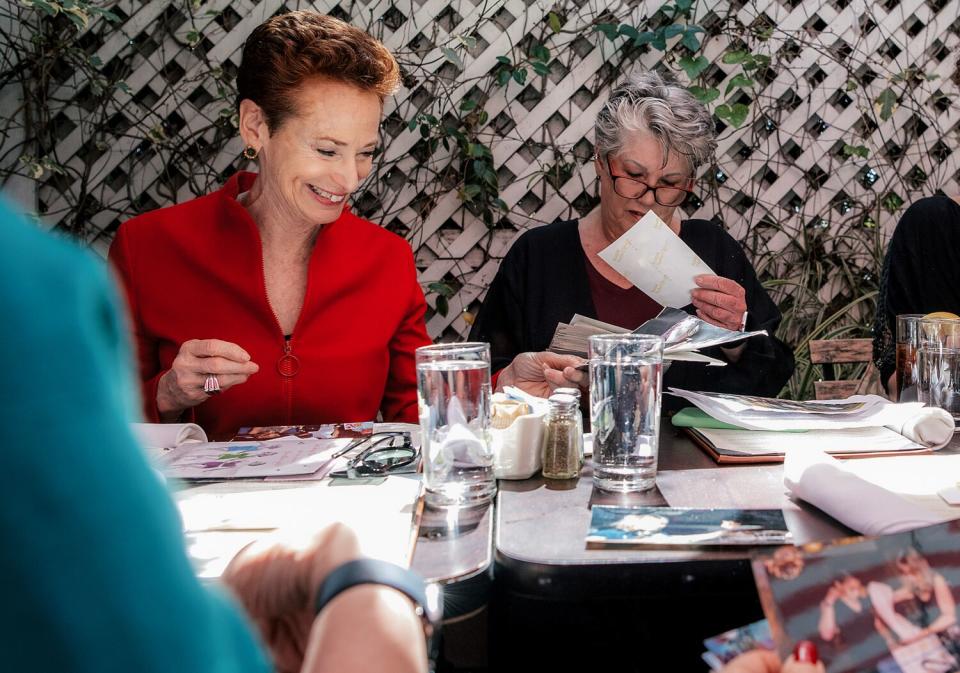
(250, 152)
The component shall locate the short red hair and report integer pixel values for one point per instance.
(284, 51)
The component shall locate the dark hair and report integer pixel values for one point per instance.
(284, 51)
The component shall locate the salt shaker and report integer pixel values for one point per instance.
(575, 392)
(562, 438)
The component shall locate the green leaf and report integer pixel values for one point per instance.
(452, 56)
(520, 76)
(482, 117)
(629, 31)
(856, 151)
(851, 84)
(690, 40)
(741, 81)
(694, 66)
(470, 192)
(467, 104)
(540, 53)
(736, 114)
(412, 124)
(443, 306)
(540, 68)
(659, 40)
(892, 202)
(673, 30)
(735, 57)
(440, 288)
(886, 103)
(49, 8)
(94, 60)
(554, 20)
(684, 6)
(704, 95)
(608, 29)
(504, 60)
(503, 77)
(124, 87)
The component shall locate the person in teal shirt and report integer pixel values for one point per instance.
(94, 575)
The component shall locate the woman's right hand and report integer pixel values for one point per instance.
(182, 386)
(540, 373)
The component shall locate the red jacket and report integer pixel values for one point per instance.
(195, 271)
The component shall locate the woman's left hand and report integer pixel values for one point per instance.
(720, 301)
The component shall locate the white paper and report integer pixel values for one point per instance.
(844, 440)
(219, 519)
(655, 260)
(865, 411)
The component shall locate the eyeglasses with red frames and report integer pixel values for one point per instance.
(631, 188)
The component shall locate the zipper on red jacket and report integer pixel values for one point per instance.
(287, 366)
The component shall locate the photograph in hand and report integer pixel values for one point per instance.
(884, 605)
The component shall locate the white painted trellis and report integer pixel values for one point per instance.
(794, 174)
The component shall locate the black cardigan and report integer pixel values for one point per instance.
(543, 281)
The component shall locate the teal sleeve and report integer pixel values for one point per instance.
(94, 575)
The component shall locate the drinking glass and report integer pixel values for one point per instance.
(908, 341)
(938, 362)
(625, 379)
(453, 387)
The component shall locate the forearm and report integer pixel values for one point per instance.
(827, 625)
(368, 627)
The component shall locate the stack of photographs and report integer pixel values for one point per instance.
(883, 605)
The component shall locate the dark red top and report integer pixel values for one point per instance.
(195, 271)
(625, 307)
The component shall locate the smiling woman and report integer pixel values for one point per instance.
(651, 136)
(270, 290)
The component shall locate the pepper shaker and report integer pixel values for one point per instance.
(562, 438)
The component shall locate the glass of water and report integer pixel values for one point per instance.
(938, 362)
(908, 341)
(453, 387)
(625, 378)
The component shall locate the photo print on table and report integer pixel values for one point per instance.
(883, 605)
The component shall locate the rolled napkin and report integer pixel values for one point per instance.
(167, 435)
(931, 426)
(867, 508)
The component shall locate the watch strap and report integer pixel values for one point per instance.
(372, 571)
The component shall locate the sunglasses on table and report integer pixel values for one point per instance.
(379, 454)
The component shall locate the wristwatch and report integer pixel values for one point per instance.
(427, 597)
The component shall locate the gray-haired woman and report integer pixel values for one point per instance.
(651, 136)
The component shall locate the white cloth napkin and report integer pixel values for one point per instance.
(167, 435)
(931, 426)
(824, 482)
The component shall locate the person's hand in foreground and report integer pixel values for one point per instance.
(803, 660)
(366, 627)
(182, 386)
(540, 373)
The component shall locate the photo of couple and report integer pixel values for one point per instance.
(885, 605)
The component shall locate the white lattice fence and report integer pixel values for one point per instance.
(783, 182)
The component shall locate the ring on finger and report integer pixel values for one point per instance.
(211, 385)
